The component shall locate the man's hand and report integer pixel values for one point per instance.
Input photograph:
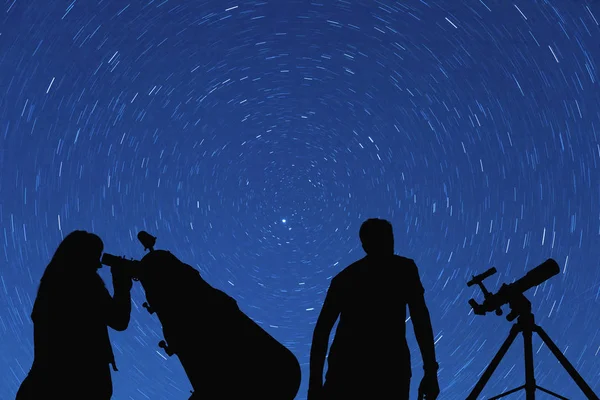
(429, 389)
(315, 392)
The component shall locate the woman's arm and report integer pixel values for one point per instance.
(118, 307)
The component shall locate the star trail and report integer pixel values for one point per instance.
(253, 139)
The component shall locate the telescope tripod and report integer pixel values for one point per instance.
(521, 308)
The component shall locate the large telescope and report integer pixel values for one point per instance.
(224, 353)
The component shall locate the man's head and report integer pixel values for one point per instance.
(377, 237)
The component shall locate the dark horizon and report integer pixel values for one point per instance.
(225, 354)
(253, 139)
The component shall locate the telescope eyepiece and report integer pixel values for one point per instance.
(131, 267)
(113, 261)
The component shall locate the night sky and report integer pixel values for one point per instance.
(253, 139)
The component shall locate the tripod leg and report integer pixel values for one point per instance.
(487, 374)
(529, 373)
(558, 396)
(566, 364)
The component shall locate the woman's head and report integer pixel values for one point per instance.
(77, 256)
(79, 249)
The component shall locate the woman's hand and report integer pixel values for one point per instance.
(121, 279)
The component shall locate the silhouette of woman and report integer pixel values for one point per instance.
(73, 308)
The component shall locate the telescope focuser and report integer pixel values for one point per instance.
(480, 309)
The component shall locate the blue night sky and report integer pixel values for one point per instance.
(472, 126)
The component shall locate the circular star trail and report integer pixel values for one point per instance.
(254, 138)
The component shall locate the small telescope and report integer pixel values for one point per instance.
(507, 293)
(521, 308)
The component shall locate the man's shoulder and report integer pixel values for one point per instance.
(406, 267)
(404, 260)
(350, 270)
(360, 266)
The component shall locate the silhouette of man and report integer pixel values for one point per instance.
(72, 310)
(369, 357)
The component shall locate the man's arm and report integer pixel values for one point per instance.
(329, 314)
(421, 320)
